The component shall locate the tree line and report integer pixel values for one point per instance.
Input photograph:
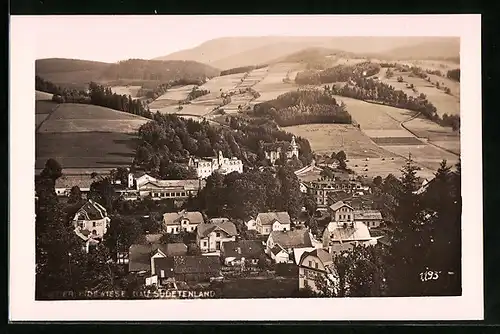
(454, 74)
(339, 73)
(242, 69)
(423, 253)
(303, 107)
(241, 196)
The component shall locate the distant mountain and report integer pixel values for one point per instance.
(230, 52)
(76, 73)
(313, 54)
(442, 49)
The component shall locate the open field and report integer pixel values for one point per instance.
(425, 155)
(188, 109)
(74, 111)
(272, 85)
(328, 138)
(42, 96)
(370, 116)
(85, 150)
(444, 103)
(383, 167)
(384, 141)
(126, 90)
(432, 65)
(39, 118)
(452, 85)
(222, 84)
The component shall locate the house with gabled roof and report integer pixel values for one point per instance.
(371, 218)
(91, 222)
(280, 242)
(235, 251)
(212, 235)
(187, 221)
(142, 257)
(346, 232)
(314, 266)
(266, 222)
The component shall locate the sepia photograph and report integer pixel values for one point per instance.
(274, 164)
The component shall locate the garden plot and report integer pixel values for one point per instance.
(328, 138)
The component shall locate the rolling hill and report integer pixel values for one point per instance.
(75, 73)
(225, 53)
(85, 136)
(445, 48)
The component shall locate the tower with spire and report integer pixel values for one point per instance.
(293, 150)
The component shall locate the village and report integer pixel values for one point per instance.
(192, 251)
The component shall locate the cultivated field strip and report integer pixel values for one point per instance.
(126, 90)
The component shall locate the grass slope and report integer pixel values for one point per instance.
(85, 136)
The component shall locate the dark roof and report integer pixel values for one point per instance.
(250, 249)
(139, 258)
(276, 249)
(93, 210)
(339, 247)
(196, 264)
(206, 228)
(166, 264)
(291, 239)
(268, 218)
(140, 255)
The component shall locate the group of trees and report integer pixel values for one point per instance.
(61, 95)
(61, 263)
(242, 69)
(241, 196)
(196, 93)
(303, 107)
(104, 97)
(454, 74)
(371, 90)
(339, 73)
(169, 140)
(423, 257)
(158, 70)
(159, 90)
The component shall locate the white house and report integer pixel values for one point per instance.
(251, 224)
(91, 221)
(316, 266)
(341, 212)
(175, 222)
(346, 233)
(266, 222)
(205, 168)
(211, 236)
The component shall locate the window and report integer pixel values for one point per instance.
(217, 234)
(204, 244)
(310, 264)
(93, 224)
(316, 265)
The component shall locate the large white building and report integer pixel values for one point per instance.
(205, 168)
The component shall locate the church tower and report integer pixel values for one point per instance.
(294, 148)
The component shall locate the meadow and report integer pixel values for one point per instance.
(126, 90)
(328, 138)
(42, 96)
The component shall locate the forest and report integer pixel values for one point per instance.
(163, 71)
(376, 91)
(339, 73)
(454, 74)
(241, 69)
(170, 139)
(303, 107)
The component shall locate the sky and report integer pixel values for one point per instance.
(114, 38)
